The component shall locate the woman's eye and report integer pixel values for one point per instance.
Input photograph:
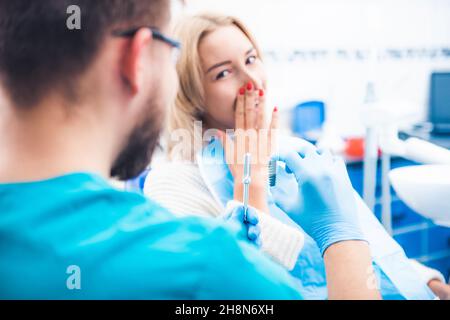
(222, 74)
(251, 60)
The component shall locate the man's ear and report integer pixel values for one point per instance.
(132, 69)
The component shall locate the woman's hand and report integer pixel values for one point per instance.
(255, 136)
(440, 289)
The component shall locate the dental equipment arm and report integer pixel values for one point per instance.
(425, 152)
(414, 149)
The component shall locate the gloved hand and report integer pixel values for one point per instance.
(234, 214)
(321, 200)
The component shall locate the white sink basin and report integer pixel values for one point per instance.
(425, 189)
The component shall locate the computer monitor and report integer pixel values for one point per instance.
(439, 114)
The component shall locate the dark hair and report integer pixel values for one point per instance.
(39, 53)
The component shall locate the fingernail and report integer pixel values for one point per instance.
(241, 91)
(261, 93)
(249, 86)
(275, 109)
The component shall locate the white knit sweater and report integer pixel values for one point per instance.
(180, 188)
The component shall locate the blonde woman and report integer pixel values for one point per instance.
(223, 86)
(207, 98)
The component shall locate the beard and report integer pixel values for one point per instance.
(142, 142)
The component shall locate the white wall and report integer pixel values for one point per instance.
(331, 29)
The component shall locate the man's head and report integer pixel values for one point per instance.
(133, 76)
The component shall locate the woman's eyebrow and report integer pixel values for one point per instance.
(250, 51)
(217, 65)
(220, 64)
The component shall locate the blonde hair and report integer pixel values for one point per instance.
(189, 103)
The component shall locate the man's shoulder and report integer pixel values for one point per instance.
(110, 233)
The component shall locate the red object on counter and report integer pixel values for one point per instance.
(355, 148)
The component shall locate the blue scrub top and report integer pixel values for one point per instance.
(126, 247)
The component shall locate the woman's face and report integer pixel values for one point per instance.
(229, 61)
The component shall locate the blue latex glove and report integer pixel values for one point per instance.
(315, 191)
(235, 217)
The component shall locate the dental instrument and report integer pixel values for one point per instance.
(272, 173)
(246, 180)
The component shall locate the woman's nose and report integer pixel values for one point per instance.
(256, 81)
